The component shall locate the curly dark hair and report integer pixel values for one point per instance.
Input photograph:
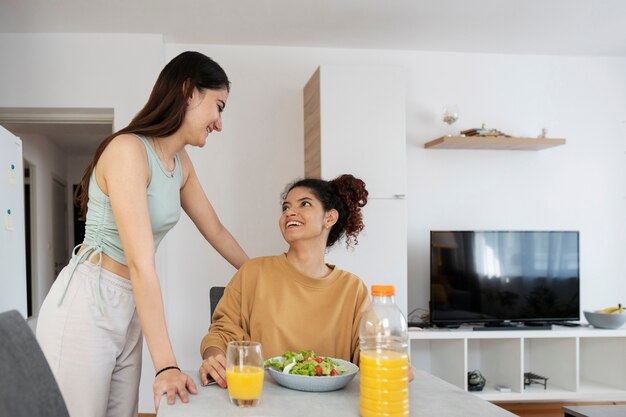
(347, 195)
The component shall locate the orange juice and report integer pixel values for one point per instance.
(245, 383)
(384, 384)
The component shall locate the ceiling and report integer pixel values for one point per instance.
(554, 27)
(544, 27)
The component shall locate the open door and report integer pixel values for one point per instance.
(12, 229)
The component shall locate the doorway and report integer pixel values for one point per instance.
(57, 145)
(29, 215)
(60, 245)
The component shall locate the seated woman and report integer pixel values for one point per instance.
(295, 301)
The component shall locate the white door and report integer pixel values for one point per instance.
(12, 234)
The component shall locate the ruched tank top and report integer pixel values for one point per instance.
(163, 191)
(101, 234)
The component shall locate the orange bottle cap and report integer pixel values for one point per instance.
(383, 290)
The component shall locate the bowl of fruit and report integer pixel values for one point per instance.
(607, 318)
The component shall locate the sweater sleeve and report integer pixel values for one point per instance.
(227, 324)
(362, 303)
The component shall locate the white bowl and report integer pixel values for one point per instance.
(605, 320)
(316, 383)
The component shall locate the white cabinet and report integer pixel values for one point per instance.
(583, 364)
(355, 123)
(355, 118)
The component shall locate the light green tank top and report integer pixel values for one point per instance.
(101, 232)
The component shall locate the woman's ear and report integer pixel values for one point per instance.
(194, 98)
(192, 93)
(330, 218)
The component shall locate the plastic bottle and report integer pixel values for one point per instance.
(384, 359)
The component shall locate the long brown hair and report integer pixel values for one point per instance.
(165, 110)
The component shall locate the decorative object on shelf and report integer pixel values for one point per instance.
(532, 378)
(449, 115)
(543, 134)
(503, 388)
(612, 310)
(607, 318)
(475, 381)
(484, 132)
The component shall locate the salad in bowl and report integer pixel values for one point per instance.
(295, 369)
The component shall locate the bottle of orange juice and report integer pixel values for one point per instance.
(384, 359)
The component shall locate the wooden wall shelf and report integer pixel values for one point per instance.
(498, 142)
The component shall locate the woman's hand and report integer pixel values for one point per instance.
(213, 365)
(412, 372)
(170, 383)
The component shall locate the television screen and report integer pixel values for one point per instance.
(496, 276)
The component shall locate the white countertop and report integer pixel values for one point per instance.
(428, 396)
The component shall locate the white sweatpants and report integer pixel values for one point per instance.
(95, 355)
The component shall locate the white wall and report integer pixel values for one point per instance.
(80, 70)
(47, 162)
(580, 186)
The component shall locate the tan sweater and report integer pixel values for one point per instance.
(269, 301)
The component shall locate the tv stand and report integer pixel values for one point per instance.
(581, 364)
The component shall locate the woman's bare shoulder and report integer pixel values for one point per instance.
(124, 150)
(126, 142)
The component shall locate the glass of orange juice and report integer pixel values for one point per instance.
(244, 372)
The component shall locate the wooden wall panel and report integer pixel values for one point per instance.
(312, 127)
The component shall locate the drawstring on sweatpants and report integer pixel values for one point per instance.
(86, 255)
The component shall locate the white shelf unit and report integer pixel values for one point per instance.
(583, 364)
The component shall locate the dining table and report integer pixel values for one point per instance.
(429, 396)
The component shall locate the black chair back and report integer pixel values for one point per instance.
(215, 294)
(27, 386)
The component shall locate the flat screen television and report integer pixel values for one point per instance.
(496, 277)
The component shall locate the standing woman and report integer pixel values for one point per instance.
(91, 323)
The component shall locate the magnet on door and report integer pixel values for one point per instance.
(8, 220)
(12, 174)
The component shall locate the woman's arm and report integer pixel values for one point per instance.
(124, 170)
(198, 207)
(362, 303)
